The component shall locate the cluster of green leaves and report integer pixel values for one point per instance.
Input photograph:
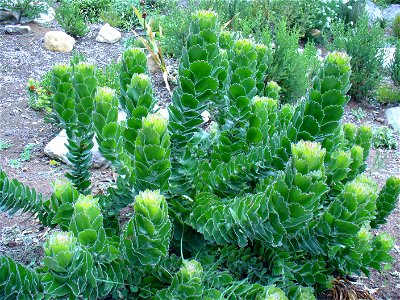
(364, 45)
(383, 137)
(4, 145)
(267, 202)
(24, 156)
(387, 93)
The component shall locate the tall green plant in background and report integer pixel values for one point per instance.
(364, 45)
(268, 202)
(69, 17)
(291, 69)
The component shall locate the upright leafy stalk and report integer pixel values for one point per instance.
(202, 77)
(152, 164)
(146, 236)
(74, 90)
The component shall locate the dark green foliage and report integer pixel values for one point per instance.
(386, 201)
(14, 196)
(396, 26)
(91, 10)
(18, 281)
(364, 45)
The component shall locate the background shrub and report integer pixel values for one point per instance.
(69, 17)
(290, 68)
(364, 45)
(396, 26)
(120, 14)
(394, 67)
(91, 10)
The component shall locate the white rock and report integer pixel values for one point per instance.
(390, 12)
(108, 34)
(389, 53)
(206, 116)
(393, 117)
(58, 41)
(57, 150)
(17, 29)
(373, 12)
(45, 17)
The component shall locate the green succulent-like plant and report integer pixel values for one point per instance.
(69, 268)
(266, 201)
(146, 236)
(74, 89)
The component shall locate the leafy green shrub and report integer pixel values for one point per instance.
(387, 94)
(68, 15)
(291, 69)
(394, 67)
(396, 26)
(268, 203)
(382, 137)
(364, 45)
(29, 8)
(91, 10)
(120, 14)
(306, 16)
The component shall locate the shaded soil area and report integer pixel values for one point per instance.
(23, 57)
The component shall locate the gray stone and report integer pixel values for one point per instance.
(57, 150)
(373, 12)
(17, 29)
(8, 17)
(390, 12)
(108, 34)
(393, 117)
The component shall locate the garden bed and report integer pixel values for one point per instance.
(23, 57)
